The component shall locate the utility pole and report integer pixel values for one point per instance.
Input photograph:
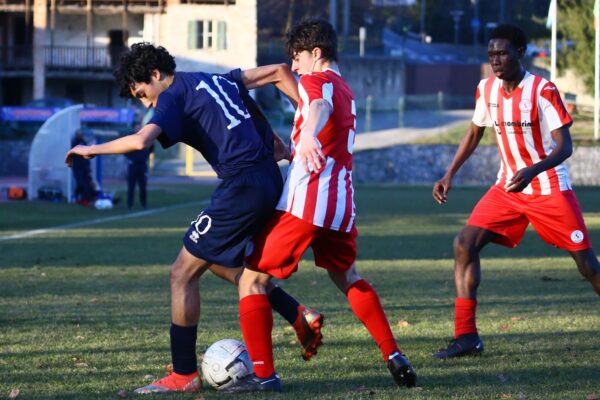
(346, 24)
(456, 15)
(333, 13)
(475, 23)
(422, 27)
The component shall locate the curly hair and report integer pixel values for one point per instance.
(137, 64)
(310, 33)
(512, 33)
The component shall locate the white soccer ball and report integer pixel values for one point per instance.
(103, 204)
(225, 362)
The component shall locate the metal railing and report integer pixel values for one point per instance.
(20, 58)
(88, 58)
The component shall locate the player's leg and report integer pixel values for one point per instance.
(498, 218)
(557, 218)
(588, 266)
(142, 183)
(366, 306)
(130, 186)
(256, 322)
(306, 321)
(185, 313)
(467, 276)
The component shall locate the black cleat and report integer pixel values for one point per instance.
(469, 344)
(402, 371)
(253, 383)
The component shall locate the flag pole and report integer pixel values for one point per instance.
(597, 73)
(553, 12)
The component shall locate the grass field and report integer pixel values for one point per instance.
(84, 311)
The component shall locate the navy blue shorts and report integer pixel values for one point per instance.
(238, 208)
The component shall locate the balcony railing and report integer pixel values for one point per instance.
(89, 58)
(20, 58)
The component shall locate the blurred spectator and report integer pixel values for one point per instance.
(137, 173)
(85, 189)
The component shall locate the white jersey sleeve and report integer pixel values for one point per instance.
(481, 116)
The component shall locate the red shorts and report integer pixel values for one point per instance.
(278, 247)
(556, 218)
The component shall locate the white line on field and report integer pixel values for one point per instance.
(144, 213)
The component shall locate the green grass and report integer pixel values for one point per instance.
(582, 133)
(84, 312)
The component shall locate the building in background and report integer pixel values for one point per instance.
(69, 48)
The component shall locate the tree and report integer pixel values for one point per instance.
(576, 26)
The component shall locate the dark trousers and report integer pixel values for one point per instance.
(136, 174)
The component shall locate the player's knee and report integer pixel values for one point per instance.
(252, 282)
(463, 246)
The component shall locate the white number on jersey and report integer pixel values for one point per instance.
(240, 109)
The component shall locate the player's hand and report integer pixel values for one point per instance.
(520, 181)
(310, 153)
(441, 189)
(78, 151)
(281, 151)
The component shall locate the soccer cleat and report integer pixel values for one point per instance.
(402, 371)
(469, 344)
(308, 330)
(173, 382)
(252, 383)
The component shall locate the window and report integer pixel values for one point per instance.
(207, 34)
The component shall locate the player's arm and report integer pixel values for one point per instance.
(562, 151)
(279, 75)
(138, 141)
(467, 146)
(309, 149)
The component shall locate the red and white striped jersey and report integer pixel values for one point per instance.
(523, 121)
(324, 198)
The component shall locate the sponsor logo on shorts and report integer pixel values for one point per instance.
(201, 225)
(577, 236)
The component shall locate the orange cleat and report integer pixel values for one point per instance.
(173, 382)
(308, 330)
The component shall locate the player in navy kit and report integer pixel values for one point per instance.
(214, 114)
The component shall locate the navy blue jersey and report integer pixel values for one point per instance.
(213, 113)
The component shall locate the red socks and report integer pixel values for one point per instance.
(256, 320)
(464, 316)
(366, 306)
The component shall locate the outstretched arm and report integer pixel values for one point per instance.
(467, 146)
(138, 141)
(278, 74)
(562, 151)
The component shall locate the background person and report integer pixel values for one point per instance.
(531, 127)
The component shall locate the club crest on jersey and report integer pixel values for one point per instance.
(525, 105)
(577, 236)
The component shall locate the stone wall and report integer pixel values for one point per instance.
(405, 164)
(424, 164)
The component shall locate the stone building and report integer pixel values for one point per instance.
(68, 48)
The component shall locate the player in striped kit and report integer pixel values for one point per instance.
(531, 126)
(316, 210)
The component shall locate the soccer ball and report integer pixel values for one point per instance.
(103, 204)
(225, 362)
